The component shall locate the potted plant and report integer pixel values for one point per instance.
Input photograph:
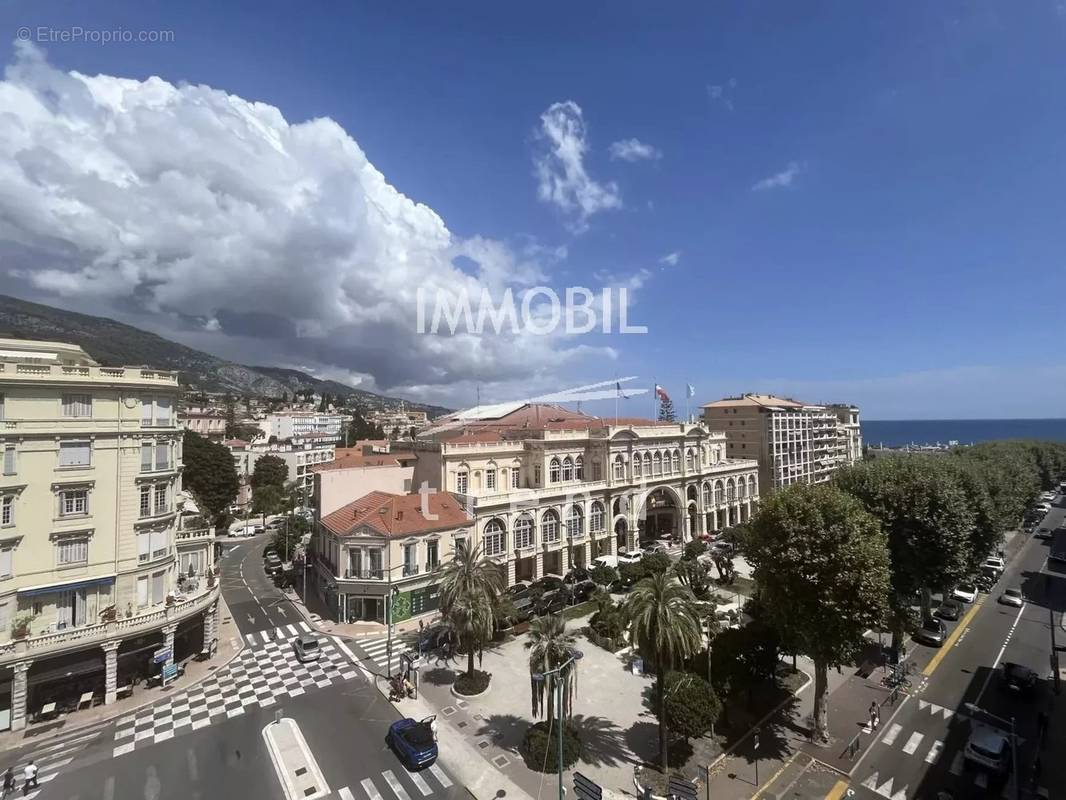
(109, 614)
(20, 628)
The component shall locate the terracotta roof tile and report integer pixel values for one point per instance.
(398, 515)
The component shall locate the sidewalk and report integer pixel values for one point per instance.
(230, 644)
(316, 613)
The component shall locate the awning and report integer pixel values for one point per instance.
(63, 587)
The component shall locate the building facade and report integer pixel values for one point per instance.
(378, 557)
(300, 424)
(95, 572)
(301, 457)
(793, 442)
(355, 471)
(210, 424)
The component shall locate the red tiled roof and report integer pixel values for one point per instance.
(347, 457)
(235, 443)
(396, 515)
(534, 417)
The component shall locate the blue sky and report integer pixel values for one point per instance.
(865, 200)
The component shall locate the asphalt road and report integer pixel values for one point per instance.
(918, 751)
(255, 603)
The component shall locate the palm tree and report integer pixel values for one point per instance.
(469, 585)
(550, 646)
(664, 624)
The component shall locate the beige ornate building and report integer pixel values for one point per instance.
(90, 542)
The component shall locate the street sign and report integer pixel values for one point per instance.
(756, 738)
(162, 654)
(170, 672)
(678, 787)
(586, 789)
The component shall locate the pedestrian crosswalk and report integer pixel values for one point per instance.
(377, 651)
(260, 675)
(400, 784)
(281, 633)
(52, 755)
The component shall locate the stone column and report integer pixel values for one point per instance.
(168, 640)
(210, 633)
(538, 565)
(587, 549)
(510, 571)
(111, 670)
(18, 694)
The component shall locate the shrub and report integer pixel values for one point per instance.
(540, 747)
(655, 564)
(694, 549)
(606, 629)
(472, 684)
(692, 706)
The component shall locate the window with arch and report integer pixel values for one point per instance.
(579, 468)
(596, 517)
(666, 463)
(549, 526)
(638, 462)
(494, 540)
(742, 488)
(523, 532)
(730, 490)
(658, 463)
(706, 494)
(690, 460)
(554, 470)
(751, 486)
(619, 468)
(575, 523)
(718, 493)
(647, 465)
(461, 481)
(568, 469)
(677, 461)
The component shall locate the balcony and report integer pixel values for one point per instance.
(364, 574)
(410, 570)
(47, 644)
(86, 374)
(193, 537)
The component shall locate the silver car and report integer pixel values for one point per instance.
(1012, 597)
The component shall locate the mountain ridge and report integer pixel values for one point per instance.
(116, 344)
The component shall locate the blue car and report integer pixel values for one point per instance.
(413, 742)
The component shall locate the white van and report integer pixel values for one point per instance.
(605, 561)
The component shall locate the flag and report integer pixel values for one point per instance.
(618, 388)
(691, 391)
(660, 392)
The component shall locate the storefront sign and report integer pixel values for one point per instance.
(161, 655)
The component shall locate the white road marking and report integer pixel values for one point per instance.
(265, 636)
(440, 775)
(292, 632)
(934, 752)
(305, 627)
(1002, 650)
(346, 793)
(913, 742)
(370, 789)
(893, 732)
(109, 788)
(394, 784)
(190, 756)
(420, 782)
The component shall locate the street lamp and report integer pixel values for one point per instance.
(974, 709)
(542, 677)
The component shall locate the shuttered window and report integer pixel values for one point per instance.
(9, 460)
(75, 454)
(77, 405)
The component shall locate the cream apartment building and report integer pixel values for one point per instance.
(794, 442)
(90, 541)
(550, 489)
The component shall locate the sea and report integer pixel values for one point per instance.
(898, 433)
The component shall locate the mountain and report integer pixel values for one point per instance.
(115, 344)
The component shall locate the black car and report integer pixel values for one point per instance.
(550, 603)
(949, 609)
(519, 589)
(549, 583)
(576, 575)
(583, 590)
(269, 550)
(933, 633)
(1018, 678)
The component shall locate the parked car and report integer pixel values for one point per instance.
(1012, 597)
(1043, 533)
(996, 563)
(933, 632)
(272, 564)
(630, 556)
(549, 583)
(276, 524)
(413, 742)
(246, 530)
(1018, 678)
(949, 609)
(724, 548)
(605, 561)
(988, 747)
(550, 603)
(270, 550)
(576, 575)
(965, 592)
(583, 590)
(654, 547)
(523, 607)
(306, 647)
(519, 589)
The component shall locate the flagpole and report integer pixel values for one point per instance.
(617, 391)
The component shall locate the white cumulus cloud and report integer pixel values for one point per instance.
(671, 259)
(559, 166)
(188, 208)
(634, 150)
(780, 180)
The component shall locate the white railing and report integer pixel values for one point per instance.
(79, 373)
(194, 535)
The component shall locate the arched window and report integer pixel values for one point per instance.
(706, 494)
(549, 526)
(494, 540)
(553, 470)
(575, 523)
(579, 468)
(658, 463)
(647, 465)
(690, 460)
(619, 468)
(596, 517)
(666, 463)
(568, 469)
(742, 488)
(523, 532)
(730, 490)
(751, 486)
(718, 495)
(637, 464)
(677, 461)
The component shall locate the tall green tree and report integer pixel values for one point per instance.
(270, 470)
(692, 706)
(664, 625)
(550, 646)
(469, 584)
(210, 475)
(821, 569)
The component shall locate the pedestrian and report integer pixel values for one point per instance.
(30, 775)
(1041, 726)
(9, 782)
(875, 716)
(433, 726)
(480, 653)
